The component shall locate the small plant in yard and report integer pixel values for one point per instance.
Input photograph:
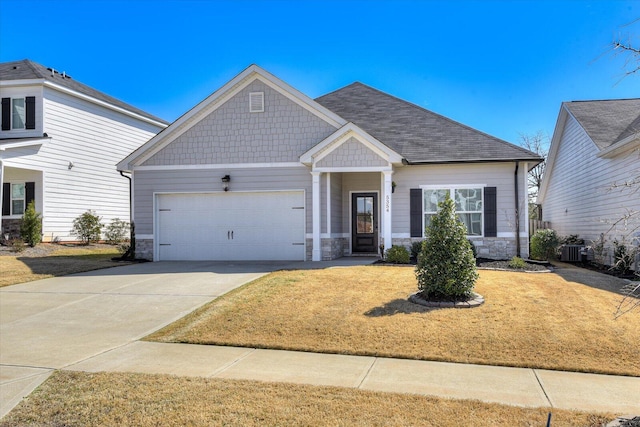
(623, 257)
(31, 225)
(397, 255)
(117, 232)
(446, 267)
(87, 227)
(544, 244)
(416, 247)
(517, 262)
(17, 245)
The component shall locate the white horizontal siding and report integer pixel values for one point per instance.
(579, 198)
(94, 139)
(499, 175)
(148, 182)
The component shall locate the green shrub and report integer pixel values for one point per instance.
(87, 227)
(623, 257)
(31, 225)
(117, 232)
(517, 262)
(416, 247)
(17, 245)
(446, 267)
(397, 255)
(544, 244)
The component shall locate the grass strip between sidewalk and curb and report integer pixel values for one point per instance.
(81, 399)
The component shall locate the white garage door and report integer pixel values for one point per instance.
(231, 226)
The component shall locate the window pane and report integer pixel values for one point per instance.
(18, 112)
(432, 198)
(17, 207)
(468, 199)
(17, 191)
(364, 206)
(473, 222)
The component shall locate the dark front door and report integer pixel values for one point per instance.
(364, 223)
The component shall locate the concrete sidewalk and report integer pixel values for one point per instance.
(511, 386)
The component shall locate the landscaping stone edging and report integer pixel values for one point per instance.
(476, 301)
(550, 270)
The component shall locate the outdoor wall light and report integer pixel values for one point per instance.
(70, 165)
(225, 182)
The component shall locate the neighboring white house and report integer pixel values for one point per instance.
(260, 171)
(595, 151)
(59, 143)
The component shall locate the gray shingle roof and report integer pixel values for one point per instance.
(609, 121)
(419, 135)
(27, 69)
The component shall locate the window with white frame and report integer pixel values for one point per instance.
(18, 113)
(18, 198)
(468, 205)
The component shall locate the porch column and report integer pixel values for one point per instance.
(386, 210)
(316, 254)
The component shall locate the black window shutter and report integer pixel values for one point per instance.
(6, 198)
(490, 212)
(6, 114)
(29, 192)
(30, 106)
(415, 212)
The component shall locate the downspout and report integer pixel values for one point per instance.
(517, 200)
(131, 252)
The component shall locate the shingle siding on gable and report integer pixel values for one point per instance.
(578, 197)
(352, 154)
(231, 134)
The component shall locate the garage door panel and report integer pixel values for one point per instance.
(231, 226)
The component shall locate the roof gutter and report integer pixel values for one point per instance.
(131, 252)
(517, 206)
(531, 161)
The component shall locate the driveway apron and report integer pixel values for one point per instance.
(53, 323)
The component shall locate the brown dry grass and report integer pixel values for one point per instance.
(82, 399)
(57, 261)
(528, 320)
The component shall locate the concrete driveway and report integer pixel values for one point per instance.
(53, 323)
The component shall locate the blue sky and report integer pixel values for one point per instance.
(502, 67)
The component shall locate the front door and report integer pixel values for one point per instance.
(364, 223)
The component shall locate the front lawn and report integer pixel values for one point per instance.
(50, 260)
(114, 399)
(528, 320)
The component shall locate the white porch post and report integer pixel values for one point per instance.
(386, 210)
(316, 254)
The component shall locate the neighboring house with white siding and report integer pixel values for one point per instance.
(594, 153)
(260, 171)
(59, 143)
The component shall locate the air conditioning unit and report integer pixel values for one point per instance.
(571, 253)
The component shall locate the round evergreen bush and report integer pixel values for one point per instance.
(446, 268)
(397, 255)
(544, 244)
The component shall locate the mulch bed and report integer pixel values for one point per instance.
(504, 265)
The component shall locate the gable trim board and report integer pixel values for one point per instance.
(344, 158)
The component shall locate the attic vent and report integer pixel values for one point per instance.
(256, 102)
